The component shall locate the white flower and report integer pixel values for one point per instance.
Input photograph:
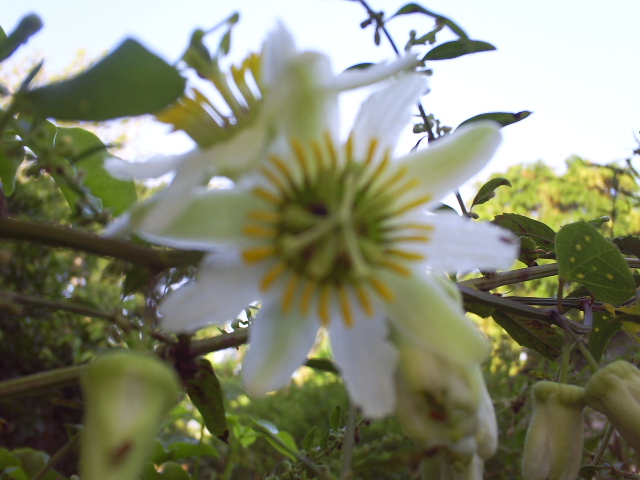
(338, 235)
(281, 93)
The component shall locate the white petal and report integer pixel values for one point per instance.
(425, 314)
(224, 286)
(359, 78)
(458, 244)
(153, 168)
(367, 362)
(386, 112)
(452, 160)
(209, 219)
(278, 344)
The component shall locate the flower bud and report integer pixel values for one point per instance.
(127, 394)
(553, 446)
(615, 392)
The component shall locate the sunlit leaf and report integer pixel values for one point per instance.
(129, 81)
(586, 257)
(487, 191)
(531, 333)
(87, 152)
(503, 118)
(457, 48)
(535, 236)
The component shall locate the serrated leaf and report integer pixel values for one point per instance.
(605, 326)
(503, 118)
(204, 391)
(129, 81)
(487, 191)
(457, 48)
(88, 154)
(586, 257)
(11, 157)
(531, 333)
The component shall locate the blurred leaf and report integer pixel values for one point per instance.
(629, 245)
(530, 333)
(411, 8)
(180, 450)
(307, 441)
(11, 157)
(335, 420)
(598, 222)
(174, 471)
(586, 257)
(88, 154)
(323, 364)
(503, 118)
(204, 391)
(283, 442)
(605, 326)
(457, 48)
(136, 279)
(129, 81)
(487, 191)
(28, 26)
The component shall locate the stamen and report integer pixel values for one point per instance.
(300, 155)
(266, 195)
(363, 299)
(410, 238)
(373, 145)
(257, 254)
(389, 183)
(279, 163)
(272, 275)
(289, 291)
(382, 289)
(273, 179)
(264, 216)
(345, 306)
(259, 231)
(414, 203)
(404, 254)
(396, 267)
(324, 304)
(331, 148)
(348, 147)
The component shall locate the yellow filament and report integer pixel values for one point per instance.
(332, 150)
(280, 165)
(348, 147)
(272, 275)
(406, 255)
(264, 216)
(364, 300)
(411, 238)
(317, 152)
(396, 267)
(345, 306)
(257, 254)
(373, 145)
(415, 226)
(259, 231)
(395, 179)
(382, 289)
(273, 178)
(415, 203)
(266, 195)
(324, 304)
(289, 291)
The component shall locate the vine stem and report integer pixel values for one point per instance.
(349, 442)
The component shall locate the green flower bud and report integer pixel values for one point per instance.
(127, 394)
(615, 392)
(553, 446)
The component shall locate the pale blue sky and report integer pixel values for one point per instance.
(572, 62)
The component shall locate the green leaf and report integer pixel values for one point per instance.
(87, 153)
(323, 364)
(136, 279)
(204, 391)
(586, 257)
(535, 237)
(503, 118)
(457, 48)
(598, 222)
(129, 81)
(629, 245)
(487, 191)
(282, 441)
(11, 156)
(335, 420)
(531, 333)
(307, 441)
(411, 8)
(605, 326)
(180, 450)
(28, 26)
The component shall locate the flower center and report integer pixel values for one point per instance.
(241, 96)
(332, 224)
